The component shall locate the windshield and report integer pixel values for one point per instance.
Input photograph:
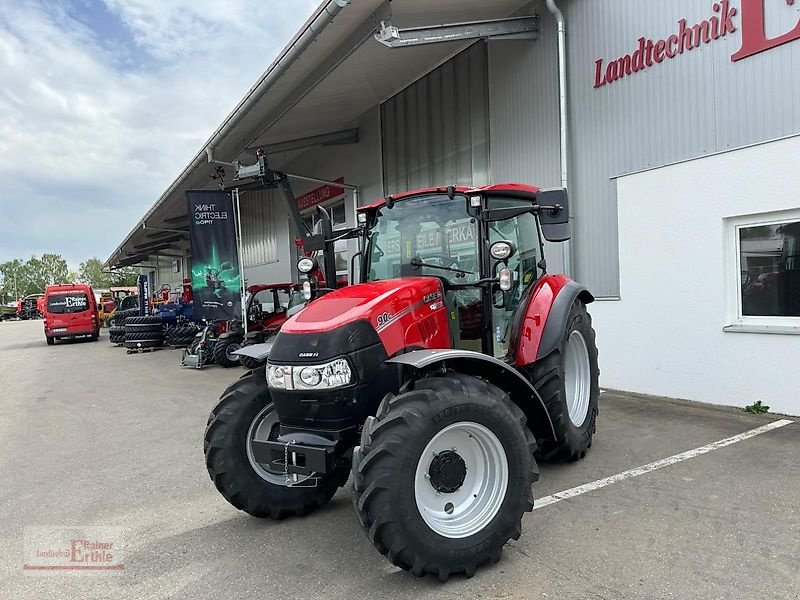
(431, 231)
(67, 303)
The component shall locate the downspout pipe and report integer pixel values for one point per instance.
(563, 115)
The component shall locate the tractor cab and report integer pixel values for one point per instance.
(485, 246)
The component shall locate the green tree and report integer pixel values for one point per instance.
(41, 272)
(92, 272)
(126, 276)
(21, 278)
(55, 268)
(15, 281)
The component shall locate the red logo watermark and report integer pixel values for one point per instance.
(85, 550)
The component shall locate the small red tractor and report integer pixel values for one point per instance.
(434, 385)
(268, 307)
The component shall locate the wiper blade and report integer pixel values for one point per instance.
(418, 263)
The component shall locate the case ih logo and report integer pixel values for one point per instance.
(688, 37)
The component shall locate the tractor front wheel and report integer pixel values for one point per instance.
(224, 352)
(443, 475)
(245, 413)
(568, 382)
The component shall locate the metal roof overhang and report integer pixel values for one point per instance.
(313, 97)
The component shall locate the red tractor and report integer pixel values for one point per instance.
(268, 307)
(437, 382)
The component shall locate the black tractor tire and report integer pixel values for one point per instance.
(151, 330)
(222, 350)
(142, 344)
(548, 373)
(386, 463)
(116, 330)
(138, 336)
(121, 316)
(119, 339)
(248, 362)
(225, 446)
(144, 320)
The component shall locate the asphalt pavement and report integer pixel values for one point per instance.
(90, 436)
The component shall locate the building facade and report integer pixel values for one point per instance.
(684, 141)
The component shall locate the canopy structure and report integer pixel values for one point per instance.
(330, 73)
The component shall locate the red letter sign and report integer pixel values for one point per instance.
(754, 38)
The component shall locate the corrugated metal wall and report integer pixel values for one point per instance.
(697, 103)
(436, 131)
(523, 99)
(259, 227)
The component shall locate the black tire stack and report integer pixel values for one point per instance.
(181, 335)
(144, 332)
(116, 332)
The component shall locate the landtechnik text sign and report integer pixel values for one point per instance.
(725, 20)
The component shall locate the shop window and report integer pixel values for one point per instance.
(767, 272)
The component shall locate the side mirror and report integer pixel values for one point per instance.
(554, 214)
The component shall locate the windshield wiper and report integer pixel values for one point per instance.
(418, 263)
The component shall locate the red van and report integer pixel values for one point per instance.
(70, 310)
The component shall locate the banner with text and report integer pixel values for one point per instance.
(216, 279)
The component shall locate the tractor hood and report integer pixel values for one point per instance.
(381, 318)
(379, 303)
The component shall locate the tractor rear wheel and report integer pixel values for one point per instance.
(568, 382)
(444, 474)
(245, 413)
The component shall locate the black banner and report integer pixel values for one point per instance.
(216, 279)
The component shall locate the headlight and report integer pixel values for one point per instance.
(336, 373)
(276, 376)
(306, 264)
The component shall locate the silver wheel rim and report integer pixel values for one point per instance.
(230, 349)
(259, 431)
(577, 378)
(472, 507)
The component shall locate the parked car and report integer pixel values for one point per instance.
(70, 310)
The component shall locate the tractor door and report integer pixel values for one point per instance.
(522, 231)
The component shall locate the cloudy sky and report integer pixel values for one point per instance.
(103, 102)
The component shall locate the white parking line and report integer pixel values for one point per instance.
(659, 464)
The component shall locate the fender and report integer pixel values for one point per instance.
(501, 374)
(542, 317)
(257, 351)
(231, 335)
(559, 313)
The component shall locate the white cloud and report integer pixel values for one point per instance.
(98, 122)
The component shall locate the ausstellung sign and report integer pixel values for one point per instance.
(723, 22)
